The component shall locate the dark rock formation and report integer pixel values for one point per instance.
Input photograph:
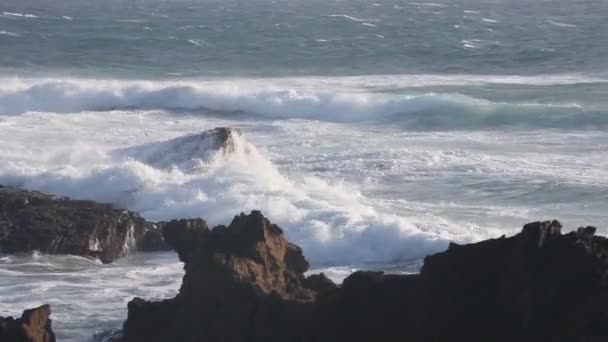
(245, 282)
(34, 221)
(539, 285)
(242, 283)
(33, 326)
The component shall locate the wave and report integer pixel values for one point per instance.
(19, 15)
(560, 24)
(351, 18)
(80, 290)
(491, 21)
(192, 153)
(10, 34)
(428, 4)
(332, 222)
(255, 99)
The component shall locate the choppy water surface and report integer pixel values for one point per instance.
(372, 132)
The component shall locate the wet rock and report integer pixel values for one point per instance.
(32, 220)
(33, 326)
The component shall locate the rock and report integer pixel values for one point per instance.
(152, 239)
(245, 282)
(34, 221)
(319, 283)
(33, 326)
(530, 287)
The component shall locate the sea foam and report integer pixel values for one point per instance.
(303, 100)
(331, 222)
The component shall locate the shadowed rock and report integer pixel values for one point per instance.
(34, 221)
(33, 326)
(245, 282)
(242, 282)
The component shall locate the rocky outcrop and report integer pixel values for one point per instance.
(35, 221)
(540, 285)
(33, 326)
(245, 282)
(31, 221)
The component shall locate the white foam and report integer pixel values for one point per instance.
(346, 16)
(294, 98)
(79, 290)
(194, 42)
(491, 21)
(10, 34)
(20, 15)
(311, 177)
(330, 221)
(200, 42)
(560, 24)
(192, 153)
(428, 4)
(468, 44)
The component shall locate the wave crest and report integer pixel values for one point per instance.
(415, 111)
(332, 222)
(192, 153)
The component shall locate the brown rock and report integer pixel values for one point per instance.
(245, 282)
(242, 282)
(33, 326)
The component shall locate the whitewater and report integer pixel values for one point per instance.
(372, 133)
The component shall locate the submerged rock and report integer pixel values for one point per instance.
(246, 282)
(33, 326)
(32, 220)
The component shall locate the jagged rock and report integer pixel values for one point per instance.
(319, 283)
(242, 283)
(33, 326)
(152, 239)
(530, 287)
(31, 221)
(245, 282)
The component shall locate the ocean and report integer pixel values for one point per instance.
(373, 132)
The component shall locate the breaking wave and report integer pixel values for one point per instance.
(332, 222)
(415, 111)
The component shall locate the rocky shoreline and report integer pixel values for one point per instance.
(246, 282)
(33, 221)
